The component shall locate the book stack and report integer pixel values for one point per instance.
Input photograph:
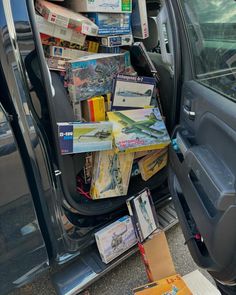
(112, 86)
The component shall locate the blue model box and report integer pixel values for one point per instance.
(76, 137)
(111, 23)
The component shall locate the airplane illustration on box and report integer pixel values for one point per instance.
(115, 173)
(147, 93)
(141, 127)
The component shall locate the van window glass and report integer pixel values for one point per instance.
(211, 26)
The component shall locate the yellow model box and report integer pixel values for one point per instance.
(111, 174)
(93, 109)
(138, 130)
(173, 285)
(152, 163)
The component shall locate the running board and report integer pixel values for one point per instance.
(88, 267)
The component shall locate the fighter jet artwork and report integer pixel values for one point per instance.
(139, 129)
(147, 93)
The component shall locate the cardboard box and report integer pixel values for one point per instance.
(143, 214)
(152, 163)
(112, 50)
(53, 30)
(93, 109)
(111, 23)
(93, 75)
(139, 130)
(115, 239)
(111, 174)
(100, 5)
(156, 256)
(199, 285)
(132, 92)
(116, 41)
(56, 64)
(90, 46)
(63, 17)
(76, 105)
(139, 20)
(76, 137)
(173, 285)
(66, 53)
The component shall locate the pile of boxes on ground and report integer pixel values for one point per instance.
(118, 123)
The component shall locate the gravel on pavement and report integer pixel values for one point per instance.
(128, 275)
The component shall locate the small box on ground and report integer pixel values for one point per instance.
(100, 5)
(76, 137)
(143, 214)
(111, 23)
(172, 285)
(156, 256)
(115, 239)
(199, 285)
(56, 31)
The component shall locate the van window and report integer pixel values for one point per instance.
(211, 27)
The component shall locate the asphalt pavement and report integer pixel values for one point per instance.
(125, 277)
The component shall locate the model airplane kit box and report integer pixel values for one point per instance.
(93, 109)
(58, 32)
(143, 214)
(152, 163)
(79, 137)
(66, 53)
(100, 5)
(111, 174)
(139, 130)
(139, 20)
(132, 92)
(116, 41)
(111, 23)
(65, 18)
(93, 75)
(90, 46)
(115, 239)
(172, 285)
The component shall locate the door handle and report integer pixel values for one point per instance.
(189, 113)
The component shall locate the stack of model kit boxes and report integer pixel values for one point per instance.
(118, 123)
(104, 86)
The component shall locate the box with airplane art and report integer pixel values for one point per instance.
(93, 75)
(111, 24)
(132, 92)
(100, 5)
(79, 137)
(152, 163)
(139, 130)
(115, 239)
(111, 174)
(143, 214)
